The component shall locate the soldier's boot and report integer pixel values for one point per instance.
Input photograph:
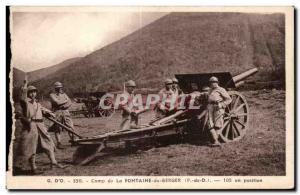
(215, 137)
(54, 163)
(34, 170)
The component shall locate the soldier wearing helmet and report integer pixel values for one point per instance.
(60, 105)
(34, 136)
(218, 99)
(166, 105)
(175, 87)
(129, 116)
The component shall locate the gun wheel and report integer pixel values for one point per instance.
(107, 112)
(236, 118)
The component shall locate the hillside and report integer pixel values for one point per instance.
(18, 76)
(41, 73)
(18, 79)
(182, 43)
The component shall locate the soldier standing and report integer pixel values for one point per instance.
(60, 105)
(129, 116)
(175, 87)
(34, 135)
(218, 99)
(163, 107)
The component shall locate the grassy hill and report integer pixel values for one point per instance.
(181, 43)
(18, 76)
(41, 73)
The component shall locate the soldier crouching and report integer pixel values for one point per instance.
(218, 99)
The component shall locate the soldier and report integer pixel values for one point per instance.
(218, 99)
(129, 116)
(34, 136)
(163, 107)
(60, 105)
(175, 87)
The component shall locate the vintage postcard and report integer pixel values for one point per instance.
(151, 98)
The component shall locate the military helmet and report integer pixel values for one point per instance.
(213, 80)
(58, 85)
(168, 81)
(31, 88)
(175, 80)
(130, 83)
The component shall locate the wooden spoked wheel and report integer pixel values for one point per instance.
(236, 118)
(107, 112)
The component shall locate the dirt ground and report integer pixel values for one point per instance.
(260, 152)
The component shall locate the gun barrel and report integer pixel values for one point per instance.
(244, 75)
(240, 83)
(64, 126)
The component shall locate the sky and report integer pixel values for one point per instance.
(43, 39)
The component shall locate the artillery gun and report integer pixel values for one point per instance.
(92, 107)
(180, 124)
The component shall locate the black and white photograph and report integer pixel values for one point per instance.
(151, 97)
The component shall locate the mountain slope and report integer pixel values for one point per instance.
(18, 80)
(18, 77)
(41, 73)
(182, 43)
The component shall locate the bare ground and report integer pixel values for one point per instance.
(260, 152)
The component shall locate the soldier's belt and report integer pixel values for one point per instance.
(37, 120)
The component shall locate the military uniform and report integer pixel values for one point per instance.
(34, 136)
(128, 120)
(177, 91)
(163, 107)
(129, 110)
(60, 105)
(218, 99)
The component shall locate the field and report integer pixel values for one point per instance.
(260, 152)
